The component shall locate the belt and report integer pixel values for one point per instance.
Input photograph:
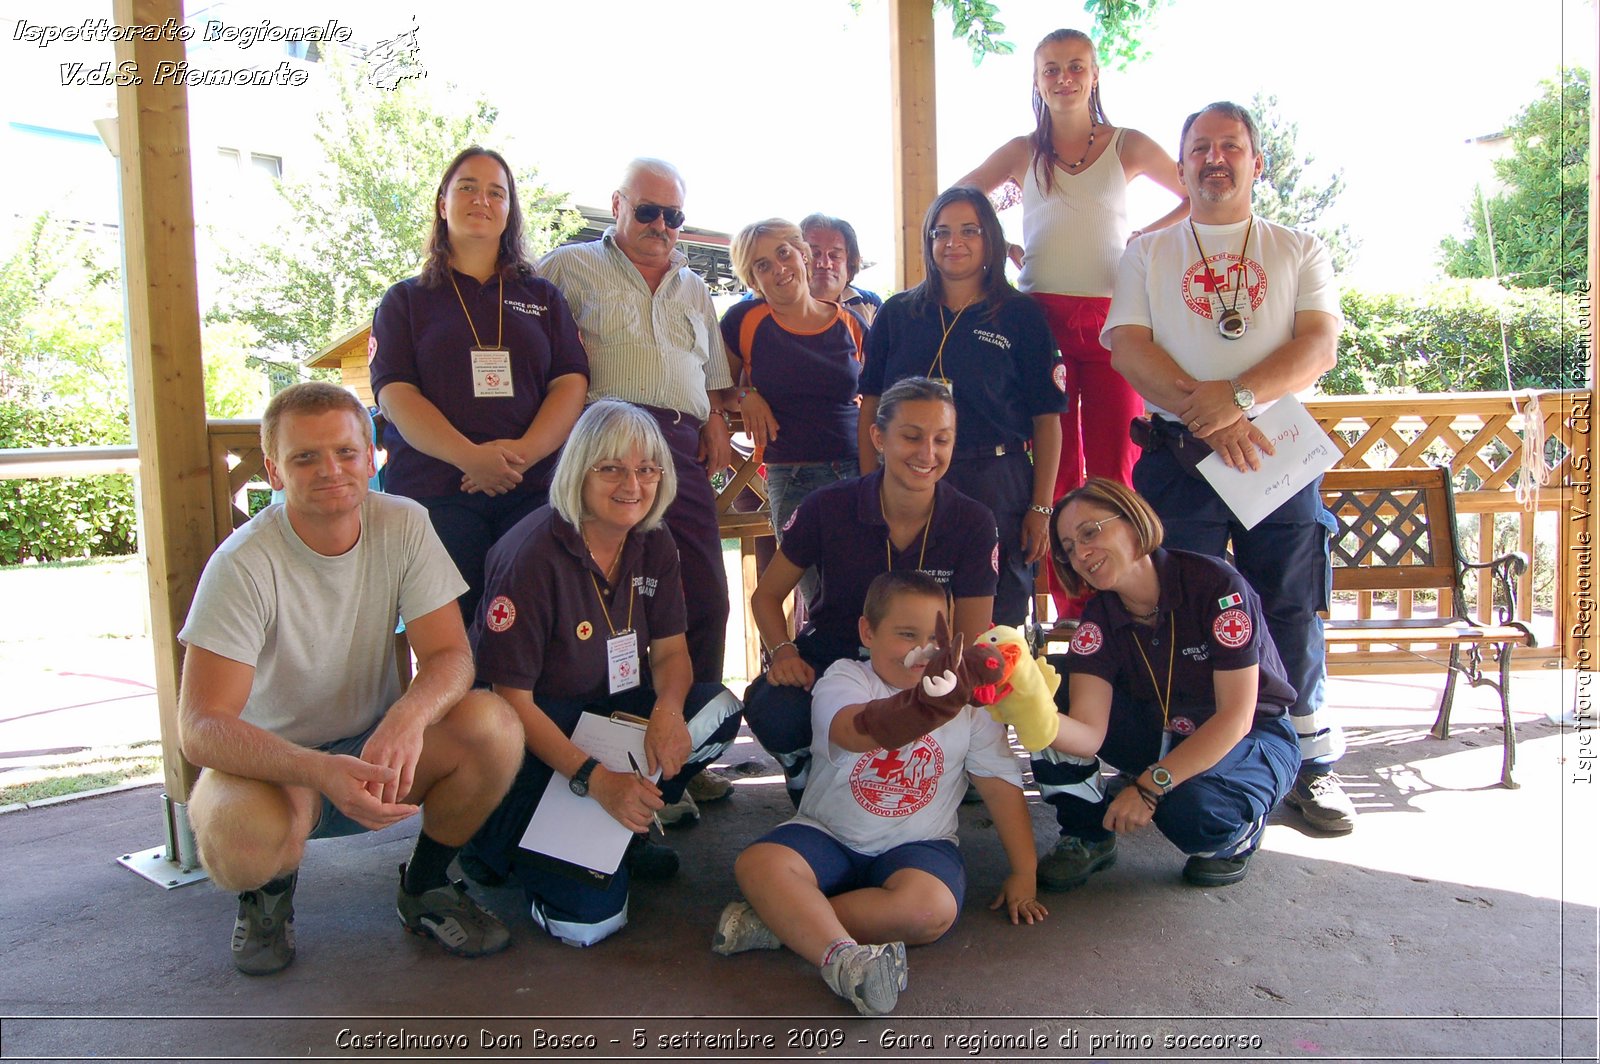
(993, 451)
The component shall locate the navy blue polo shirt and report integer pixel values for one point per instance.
(1002, 364)
(808, 379)
(541, 627)
(421, 336)
(840, 529)
(1218, 624)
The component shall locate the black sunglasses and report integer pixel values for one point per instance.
(647, 213)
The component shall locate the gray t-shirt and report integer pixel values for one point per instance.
(319, 631)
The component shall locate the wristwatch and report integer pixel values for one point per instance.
(579, 783)
(1243, 397)
(1161, 778)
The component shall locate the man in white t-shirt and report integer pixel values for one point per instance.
(1212, 322)
(292, 702)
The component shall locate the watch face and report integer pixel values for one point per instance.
(1244, 398)
(579, 787)
(1161, 778)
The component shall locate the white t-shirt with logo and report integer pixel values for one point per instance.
(1162, 286)
(881, 799)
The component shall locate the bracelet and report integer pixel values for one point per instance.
(1150, 797)
(744, 393)
(716, 412)
(1048, 511)
(773, 650)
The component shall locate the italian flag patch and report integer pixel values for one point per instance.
(1229, 600)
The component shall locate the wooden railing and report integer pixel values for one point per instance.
(1480, 435)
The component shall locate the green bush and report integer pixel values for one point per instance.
(1447, 338)
(48, 520)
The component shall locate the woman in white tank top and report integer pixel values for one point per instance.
(1072, 174)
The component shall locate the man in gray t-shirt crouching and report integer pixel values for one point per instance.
(292, 701)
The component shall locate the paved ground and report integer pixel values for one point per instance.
(1457, 923)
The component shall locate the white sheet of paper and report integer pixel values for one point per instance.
(1304, 453)
(576, 829)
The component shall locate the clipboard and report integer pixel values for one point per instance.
(574, 835)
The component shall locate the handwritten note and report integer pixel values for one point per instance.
(1304, 453)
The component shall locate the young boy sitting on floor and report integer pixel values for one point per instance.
(870, 862)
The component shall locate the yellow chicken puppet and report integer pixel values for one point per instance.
(1027, 691)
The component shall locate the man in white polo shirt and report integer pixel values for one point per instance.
(650, 330)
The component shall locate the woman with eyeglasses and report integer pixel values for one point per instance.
(797, 360)
(1072, 175)
(584, 614)
(1171, 678)
(478, 369)
(965, 326)
(902, 515)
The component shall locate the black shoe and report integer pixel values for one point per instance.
(1216, 871)
(650, 861)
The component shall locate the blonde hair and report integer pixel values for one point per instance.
(743, 249)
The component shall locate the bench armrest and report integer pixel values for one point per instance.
(1503, 570)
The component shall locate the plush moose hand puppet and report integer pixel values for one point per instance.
(953, 678)
(1027, 691)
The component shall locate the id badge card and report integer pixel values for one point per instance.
(491, 373)
(622, 662)
(1166, 743)
(949, 384)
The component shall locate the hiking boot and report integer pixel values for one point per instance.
(709, 786)
(1322, 801)
(263, 932)
(448, 915)
(740, 928)
(1073, 861)
(1216, 871)
(679, 814)
(650, 862)
(869, 977)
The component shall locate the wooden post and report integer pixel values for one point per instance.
(916, 149)
(169, 412)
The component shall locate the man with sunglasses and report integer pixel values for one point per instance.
(1212, 322)
(650, 330)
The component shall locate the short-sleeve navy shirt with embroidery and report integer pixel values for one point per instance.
(841, 530)
(809, 380)
(541, 627)
(1003, 367)
(420, 336)
(1217, 621)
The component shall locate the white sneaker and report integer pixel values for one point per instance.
(682, 813)
(869, 977)
(741, 928)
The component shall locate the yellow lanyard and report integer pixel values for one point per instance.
(500, 324)
(938, 358)
(888, 538)
(607, 613)
(1163, 698)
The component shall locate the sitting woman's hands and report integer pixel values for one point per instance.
(789, 669)
(1128, 812)
(630, 798)
(666, 743)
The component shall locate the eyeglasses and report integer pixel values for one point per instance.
(1088, 532)
(647, 213)
(613, 473)
(942, 234)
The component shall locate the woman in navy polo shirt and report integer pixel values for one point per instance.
(797, 359)
(1174, 680)
(478, 369)
(965, 325)
(901, 516)
(584, 613)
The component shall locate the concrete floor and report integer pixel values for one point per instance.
(1457, 923)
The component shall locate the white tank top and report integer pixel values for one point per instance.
(1073, 237)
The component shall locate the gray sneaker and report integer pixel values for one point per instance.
(1322, 801)
(448, 915)
(263, 932)
(740, 928)
(709, 785)
(1073, 861)
(681, 813)
(869, 977)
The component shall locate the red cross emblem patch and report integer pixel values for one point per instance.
(501, 614)
(1059, 375)
(372, 347)
(1088, 639)
(1232, 628)
(585, 629)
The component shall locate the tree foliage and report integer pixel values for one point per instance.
(1115, 26)
(1285, 193)
(359, 221)
(1539, 219)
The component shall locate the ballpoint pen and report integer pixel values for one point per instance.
(640, 774)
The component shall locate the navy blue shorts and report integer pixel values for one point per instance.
(332, 823)
(839, 869)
